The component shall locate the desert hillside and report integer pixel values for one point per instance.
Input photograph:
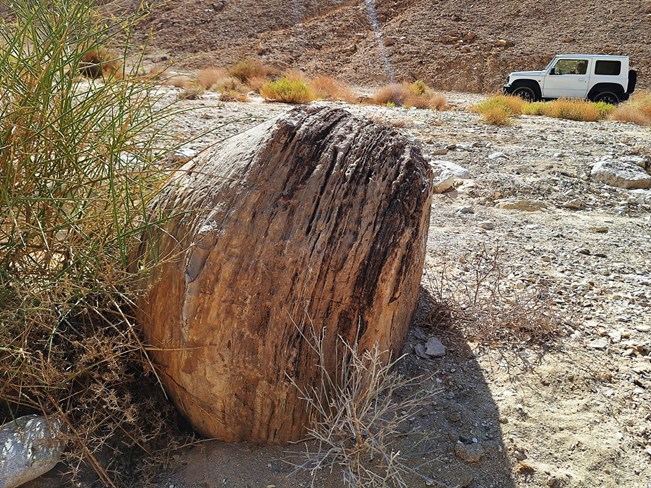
(450, 44)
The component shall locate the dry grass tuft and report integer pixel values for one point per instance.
(537, 108)
(209, 77)
(496, 115)
(417, 95)
(248, 69)
(505, 103)
(329, 88)
(580, 110)
(636, 111)
(99, 62)
(490, 310)
(233, 96)
(287, 91)
(360, 414)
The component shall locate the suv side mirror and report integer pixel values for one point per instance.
(552, 71)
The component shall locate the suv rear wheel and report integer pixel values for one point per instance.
(526, 93)
(607, 97)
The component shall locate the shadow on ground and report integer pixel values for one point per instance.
(455, 439)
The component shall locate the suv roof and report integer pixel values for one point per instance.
(591, 55)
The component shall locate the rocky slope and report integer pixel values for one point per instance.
(451, 44)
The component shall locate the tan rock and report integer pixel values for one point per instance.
(317, 220)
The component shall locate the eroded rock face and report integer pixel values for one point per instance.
(317, 220)
(29, 447)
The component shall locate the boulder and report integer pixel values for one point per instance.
(30, 446)
(621, 173)
(311, 224)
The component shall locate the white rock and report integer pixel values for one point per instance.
(620, 174)
(29, 447)
(447, 175)
(498, 155)
(458, 171)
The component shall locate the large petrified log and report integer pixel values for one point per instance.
(317, 219)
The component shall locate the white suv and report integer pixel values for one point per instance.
(599, 78)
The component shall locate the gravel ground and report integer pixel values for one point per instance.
(572, 411)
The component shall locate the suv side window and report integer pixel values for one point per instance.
(571, 67)
(612, 68)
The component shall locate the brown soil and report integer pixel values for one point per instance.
(453, 44)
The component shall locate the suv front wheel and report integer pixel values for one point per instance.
(526, 93)
(607, 97)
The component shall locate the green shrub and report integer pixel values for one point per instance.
(505, 103)
(79, 166)
(419, 88)
(536, 108)
(496, 115)
(287, 91)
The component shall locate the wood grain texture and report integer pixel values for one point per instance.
(316, 219)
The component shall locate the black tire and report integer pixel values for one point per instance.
(527, 93)
(606, 96)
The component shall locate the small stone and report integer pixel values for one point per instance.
(522, 204)
(498, 155)
(599, 230)
(583, 250)
(615, 336)
(470, 453)
(454, 416)
(420, 351)
(487, 225)
(466, 210)
(600, 343)
(575, 204)
(643, 328)
(435, 348)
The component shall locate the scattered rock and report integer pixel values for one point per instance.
(435, 348)
(419, 349)
(522, 204)
(574, 204)
(487, 225)
(498, 155)
(599, 229)
(470, 453)
(30, 446)
(620, 174)
(600, 343)
(504, 43)
(447, 175)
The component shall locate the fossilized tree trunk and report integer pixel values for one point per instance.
(317, 219)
